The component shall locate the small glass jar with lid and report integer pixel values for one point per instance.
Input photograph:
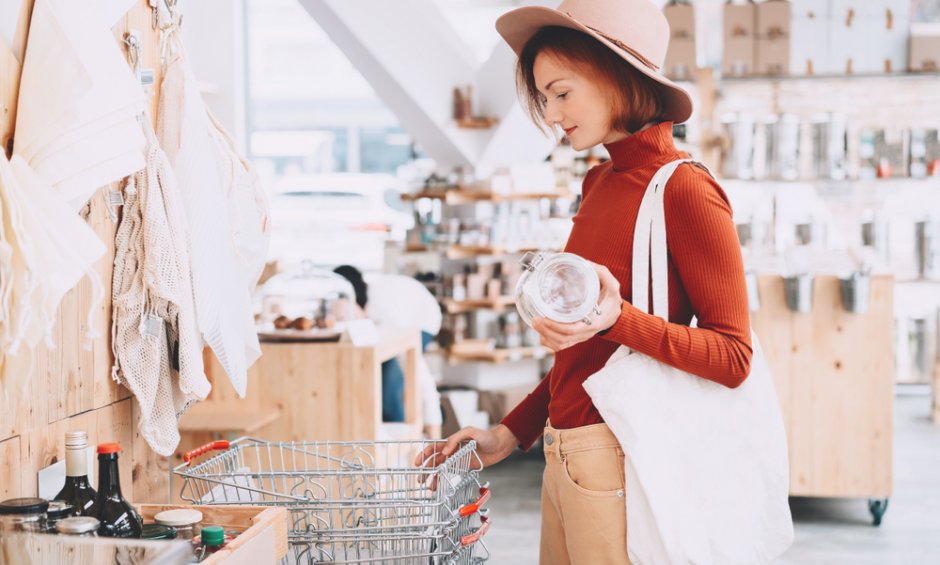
(23, 515)
(58, 510)
(185, 520)
(79, 526)
(560, 286)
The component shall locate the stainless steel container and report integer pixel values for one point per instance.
(830, 146)
(856, 292)
(737, 157)
(753, 290)
(799, 292)
(925, 248)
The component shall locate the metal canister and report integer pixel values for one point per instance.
(856, 292)
(799, 292)
(925, 248)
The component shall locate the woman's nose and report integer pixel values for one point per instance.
(552, 114)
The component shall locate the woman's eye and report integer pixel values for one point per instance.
(562, 95)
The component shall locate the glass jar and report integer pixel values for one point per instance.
(79, 526)
(183, 519)
(23, 515)
(559, 286)
(58, 510)
(158, 532)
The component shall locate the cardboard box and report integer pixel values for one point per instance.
(498, 403)
(739, 21)
(773, 20)
(809, 38)
(924, 47)
(681, 63)
(773, 57)
(681, 18)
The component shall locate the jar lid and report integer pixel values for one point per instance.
(76, 438)
(157, 531)
(77, 525)
(59, 509)
(178, 517)
(19, 506)
(213, 535)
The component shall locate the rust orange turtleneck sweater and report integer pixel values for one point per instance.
(706, 280)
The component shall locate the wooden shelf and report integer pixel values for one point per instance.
(469, 251)
(477, 123)
(828, 77)
(498, 356)
(468, 196)
(461, 306)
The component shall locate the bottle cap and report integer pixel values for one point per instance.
(178, 517)
(104, 448)
(59, 509)
(19, 506)
(213, 535)
(76, 439)
(157, 531)
(77, 525)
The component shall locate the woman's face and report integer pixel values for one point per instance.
(574, 102)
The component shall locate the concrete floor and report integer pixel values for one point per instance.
(828, 531)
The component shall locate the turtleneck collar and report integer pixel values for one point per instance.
(641, 148)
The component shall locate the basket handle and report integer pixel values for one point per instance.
(471, 539)
(212, 446)
(473, 507)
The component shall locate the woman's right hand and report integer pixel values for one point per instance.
(493, 445)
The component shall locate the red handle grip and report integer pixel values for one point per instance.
(473, 507)
(221, 444)
(470, 539)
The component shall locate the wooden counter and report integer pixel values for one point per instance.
(309, 391)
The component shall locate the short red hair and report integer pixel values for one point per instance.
(634, 97)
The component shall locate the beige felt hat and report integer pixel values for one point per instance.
(634, 29)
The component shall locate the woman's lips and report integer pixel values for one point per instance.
(569, 130)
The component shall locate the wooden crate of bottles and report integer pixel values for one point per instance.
(262, 537)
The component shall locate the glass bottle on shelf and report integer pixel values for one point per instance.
(211, 540)
(77, 490)
(118, 518)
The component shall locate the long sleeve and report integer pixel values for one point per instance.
(706, 261)
(527, 420)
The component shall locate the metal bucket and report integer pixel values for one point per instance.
(753, 291)
(856, 292)
(745, 233)
(799, 292)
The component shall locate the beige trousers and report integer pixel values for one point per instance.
(584, 518)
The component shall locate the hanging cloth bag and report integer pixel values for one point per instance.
(706, 469)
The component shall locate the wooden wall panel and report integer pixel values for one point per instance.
(834, 373)
(69, 387)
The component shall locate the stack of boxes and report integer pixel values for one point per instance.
(826, 37)
(681, 62)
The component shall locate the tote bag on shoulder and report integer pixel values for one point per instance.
(707, 477)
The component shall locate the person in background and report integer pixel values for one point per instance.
(401, 302)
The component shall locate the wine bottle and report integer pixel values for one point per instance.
(77, 490)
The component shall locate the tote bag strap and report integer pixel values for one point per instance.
(649, 242)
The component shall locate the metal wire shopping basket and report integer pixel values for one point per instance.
(352, 502)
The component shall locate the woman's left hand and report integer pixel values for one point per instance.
(557, 335)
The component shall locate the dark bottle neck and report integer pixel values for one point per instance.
(109, 481)
(81, 481)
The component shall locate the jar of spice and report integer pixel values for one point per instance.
(58, 510)
(23, 515)
(79, 526)
(186, 521)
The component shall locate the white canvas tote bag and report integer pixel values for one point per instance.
(707, 477)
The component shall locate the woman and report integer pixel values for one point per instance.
(591, 67)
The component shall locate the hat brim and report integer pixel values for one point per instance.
(519, 25)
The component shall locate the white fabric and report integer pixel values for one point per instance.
(156, 343)
(401, 301)
(706, 466)
(45, 250)
(76, 121)
(226, 214)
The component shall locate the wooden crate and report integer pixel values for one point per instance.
(24, 549)
(263, 537)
